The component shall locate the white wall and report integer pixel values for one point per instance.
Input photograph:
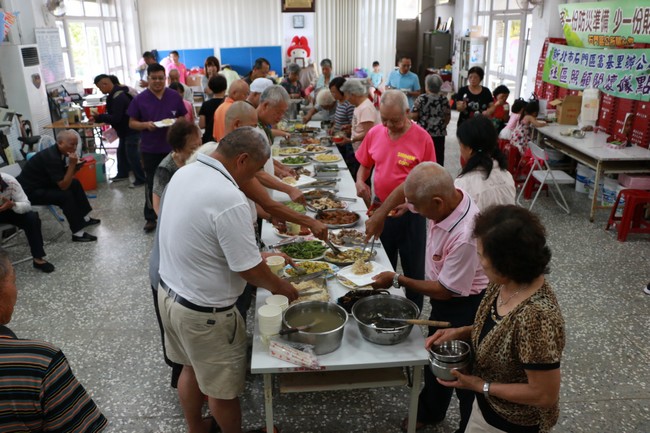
(288, 32)
(31, 16)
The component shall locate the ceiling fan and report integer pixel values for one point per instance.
(56, 7)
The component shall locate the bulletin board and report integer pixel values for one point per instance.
(242, 59)
(50, 54)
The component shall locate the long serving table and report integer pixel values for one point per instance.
(593, 152)
(357, 363)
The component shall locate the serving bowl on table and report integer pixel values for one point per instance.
(348, 256)
(449, 356)
(338, 218)
(291, 151)
(367, 313)
(329, 322)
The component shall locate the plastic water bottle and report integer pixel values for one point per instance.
(275, 149)
(64, 117)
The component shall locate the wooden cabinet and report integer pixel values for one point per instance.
(436, 48)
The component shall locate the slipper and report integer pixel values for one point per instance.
(214, 427)
(418, 425)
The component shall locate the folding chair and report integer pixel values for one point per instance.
(543, 174)
(5, 242)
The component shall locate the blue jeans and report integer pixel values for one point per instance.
(132, 143)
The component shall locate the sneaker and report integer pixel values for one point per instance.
(646, 289)
(149, 226)
(119, 178)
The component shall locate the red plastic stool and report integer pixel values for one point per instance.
(633, 219)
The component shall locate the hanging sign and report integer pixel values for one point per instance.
(608, 24)
(620, 72)
(8, 20)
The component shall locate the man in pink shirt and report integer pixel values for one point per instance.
(394, 148)
(454, 281)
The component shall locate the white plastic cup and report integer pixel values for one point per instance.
(276, 264)
(278, 300)
(270, 319)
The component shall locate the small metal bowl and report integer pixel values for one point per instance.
(578, 133)
(451, 351)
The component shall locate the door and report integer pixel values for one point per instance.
(507, 51)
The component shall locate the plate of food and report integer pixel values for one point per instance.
(300, 208)
(314, 149)
(347, 256)
(327, 158)
(310, 141)
(318, 193)
(281, 230)
(301, 181)
(360, 272)
(311, 267)
(338, 218)
(326, 203)
(165, 123)
(295, 161)
(307, 250)
(291, 151)
(347, 237)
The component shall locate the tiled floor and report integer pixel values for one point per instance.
(97, 306)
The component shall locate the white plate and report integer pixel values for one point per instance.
(286, 235)
(333, 161)
(164, 123)
(332, 266)
(313, 259)
(349, 284)
(291, 151)
(364, 279)
(303, 180)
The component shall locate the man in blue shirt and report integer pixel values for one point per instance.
(405, 80)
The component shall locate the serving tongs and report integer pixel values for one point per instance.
(288, 241)
(372, 249)
(325, 183)
(436, 323)
(307, 277)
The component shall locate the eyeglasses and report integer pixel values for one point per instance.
(156, 78)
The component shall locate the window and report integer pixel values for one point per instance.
(91, 38)
(408, 9)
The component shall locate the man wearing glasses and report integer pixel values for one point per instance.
(405, 80)
(152, 112)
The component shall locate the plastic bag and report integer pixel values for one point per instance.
(295, 353)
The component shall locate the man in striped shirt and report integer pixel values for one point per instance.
(38, 391)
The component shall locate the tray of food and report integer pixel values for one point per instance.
(337, 219)
(306, 129)
(314, 149)
(310, 141)
(360, 273)
(347, 256)
(314, 290)
(301, 181)
(307, 250)
(291, 151)
(327, 158)
(281, 230)
(348, 300)
(345, 237)
(326, 203)
(310, 267)
(165, 123)
(318, 193)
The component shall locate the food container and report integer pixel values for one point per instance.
(325, 216)
(326, 335)
(375, 330)
(449, 356)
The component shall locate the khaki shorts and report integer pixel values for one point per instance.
(477, 424)
(214, 344)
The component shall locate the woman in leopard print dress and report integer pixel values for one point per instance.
(518, 333)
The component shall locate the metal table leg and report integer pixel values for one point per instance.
(268, 401)
(415, 392)
(599, 174)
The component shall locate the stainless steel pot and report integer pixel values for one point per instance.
(305, 312)
(377, 331)
(442, 370)
(449, 356)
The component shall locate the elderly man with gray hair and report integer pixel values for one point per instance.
(324, 108)
(204, 262)
(291, 82)
(454, 280)
(432, 112)
(394, 148)
(48, 179)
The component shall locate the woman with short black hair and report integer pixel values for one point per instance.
(474, 98)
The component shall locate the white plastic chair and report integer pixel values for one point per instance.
(543, 174)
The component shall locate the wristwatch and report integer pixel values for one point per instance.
(486, 389)
(396, 281)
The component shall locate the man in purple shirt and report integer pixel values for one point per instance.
(154, 104)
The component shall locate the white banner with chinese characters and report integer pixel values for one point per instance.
(624, 72)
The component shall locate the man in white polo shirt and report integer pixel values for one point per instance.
(207, 252)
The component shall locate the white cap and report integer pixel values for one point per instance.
(260, 85)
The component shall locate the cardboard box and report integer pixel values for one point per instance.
(568, 109)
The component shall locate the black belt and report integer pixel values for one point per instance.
(185, 303)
